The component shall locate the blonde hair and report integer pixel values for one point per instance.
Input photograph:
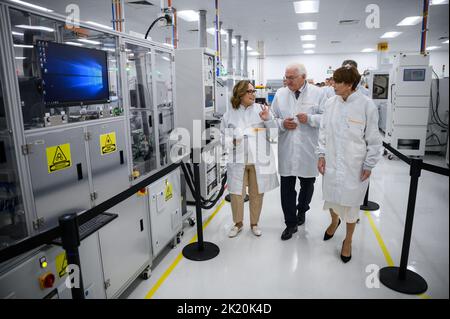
(239, 90)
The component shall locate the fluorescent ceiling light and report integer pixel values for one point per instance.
(436, 2)
(251, 49)
(26, 4)
(391, 34)
(433, 47)
(410, 21)
(188, 15)
(306, 6)
(17, 33)
(308, 37)
(307, 25)
(309, 46)
(74, 43)
(95, 24)
(368, 50)
(445, 42)
(213, 31)
(34, 27)
(308, 51)
(23, 46)
(20, 58)
(89, 41)
(254, 53)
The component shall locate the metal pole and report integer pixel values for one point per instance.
(198, 209)
(245, 67)
(423, 40)
(70, 238)
(230, 52)
(238, 59)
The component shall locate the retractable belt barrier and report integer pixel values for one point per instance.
(400, 278)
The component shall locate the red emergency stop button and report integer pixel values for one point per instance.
(47, 280)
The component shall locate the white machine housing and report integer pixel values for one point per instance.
(408, 106)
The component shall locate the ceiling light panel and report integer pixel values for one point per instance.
(391, 34)
(368, 50)
(307, 25)
(308, 52)
(308, 37)
(188, 15)
(33, 6)
(306, 6)
(308, 46)
(410, 21)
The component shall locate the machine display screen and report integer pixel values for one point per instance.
(380, 86)
(72, 75)
(209, 100)
(414, 75)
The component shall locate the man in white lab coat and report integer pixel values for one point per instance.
(297, 109)
(329, 90)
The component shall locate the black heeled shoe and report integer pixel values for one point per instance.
(345, 259)
(326, 236)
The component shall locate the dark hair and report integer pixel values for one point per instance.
(239, 90)
(347, 75)
(351, 62)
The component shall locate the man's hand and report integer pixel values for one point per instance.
(321, 165)
(289, 124)
(365, 174)
(302, 118)
(264, 114)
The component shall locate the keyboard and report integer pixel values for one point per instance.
(91, 226)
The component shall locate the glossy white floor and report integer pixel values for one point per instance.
(305, 266)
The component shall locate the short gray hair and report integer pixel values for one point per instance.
(299, 67)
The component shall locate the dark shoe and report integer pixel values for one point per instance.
(300, 219)
(326, 236)
(345, 259)
(287, 233)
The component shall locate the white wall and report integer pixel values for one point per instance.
(317, 65)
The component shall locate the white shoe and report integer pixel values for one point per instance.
(234, 231)
(256, 231)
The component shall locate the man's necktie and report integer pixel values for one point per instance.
(297, 94)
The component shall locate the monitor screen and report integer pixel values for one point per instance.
(72, 75)
(380, 86)
(414, 75)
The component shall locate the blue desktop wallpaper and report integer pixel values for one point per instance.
(73, 75)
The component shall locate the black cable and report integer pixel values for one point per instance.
(168, 19)
(435, 112)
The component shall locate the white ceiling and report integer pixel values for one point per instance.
(275, 23)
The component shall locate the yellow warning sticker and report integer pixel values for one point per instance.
(58, 157)
(108, 143)
(168, 192)
(61, 264)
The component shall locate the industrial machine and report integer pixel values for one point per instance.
(437, 133)
(196, 92)
(84, 114)
(408, 105)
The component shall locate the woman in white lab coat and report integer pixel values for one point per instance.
(349, 147)
(245, 128)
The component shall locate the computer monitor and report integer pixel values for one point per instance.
(72, 75)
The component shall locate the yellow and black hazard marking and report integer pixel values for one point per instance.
(61, 264)
(58, 157)
(108, 143)
(168, 192)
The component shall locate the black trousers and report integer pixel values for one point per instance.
(289, 202)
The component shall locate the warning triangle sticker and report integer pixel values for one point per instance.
(60, 160)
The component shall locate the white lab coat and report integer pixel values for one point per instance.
(297, 148)
(246, 125)
(350, 142)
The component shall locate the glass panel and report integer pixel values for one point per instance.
(12, 217)
(139, 79)
(29, 32)
(142, 142)
(164, 99)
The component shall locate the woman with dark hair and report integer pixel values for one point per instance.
(349, 147)
(252, 164)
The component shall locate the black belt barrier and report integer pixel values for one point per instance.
(400, 278)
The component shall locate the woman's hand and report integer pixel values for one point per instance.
(365, 174)
(289, 124)
(264, 114)
(321, 165)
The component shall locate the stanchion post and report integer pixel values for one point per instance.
(198, 209)
(70, 238)
(368, 205)
(400, 278)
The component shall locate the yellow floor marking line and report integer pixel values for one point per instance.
(180, 256)
(386, 253)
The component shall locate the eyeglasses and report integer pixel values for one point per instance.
(251, 91)
(290, 78)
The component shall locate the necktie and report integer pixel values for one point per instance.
(297, 94)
